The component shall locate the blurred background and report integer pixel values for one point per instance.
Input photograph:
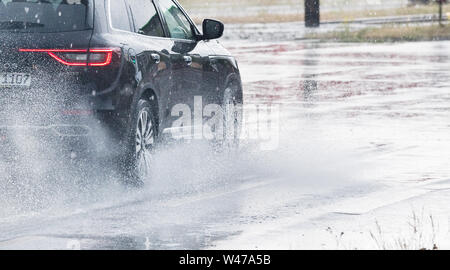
(251, 18)
(254, 11)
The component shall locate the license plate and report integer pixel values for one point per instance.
(15, 79)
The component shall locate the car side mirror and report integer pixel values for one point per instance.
(212, 29)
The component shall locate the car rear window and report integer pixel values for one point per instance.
(44, 15)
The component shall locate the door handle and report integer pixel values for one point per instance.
(188, 60)
(156, 58)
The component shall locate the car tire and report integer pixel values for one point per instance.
(141, 144)
(232, 116)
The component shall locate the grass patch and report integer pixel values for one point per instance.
(409, 10)
(420, 234)
(265, 14)
(387, 33)
(239, 3)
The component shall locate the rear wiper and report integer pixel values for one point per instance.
(18, 25)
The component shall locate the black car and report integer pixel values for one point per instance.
(108, 74)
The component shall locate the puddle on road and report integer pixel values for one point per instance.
(346, 114)
(390, 95)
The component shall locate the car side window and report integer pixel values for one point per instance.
(178, 25)
(119, 15)
(146, 18)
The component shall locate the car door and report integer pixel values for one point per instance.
(152, 52)
(192, 72)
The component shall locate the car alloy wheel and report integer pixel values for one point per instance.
(145, 139)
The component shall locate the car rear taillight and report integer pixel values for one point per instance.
(100, 57)
(79, 57)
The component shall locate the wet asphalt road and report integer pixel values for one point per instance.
(355, 119)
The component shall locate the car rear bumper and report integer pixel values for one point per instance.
(88, 138)
(61, 130)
